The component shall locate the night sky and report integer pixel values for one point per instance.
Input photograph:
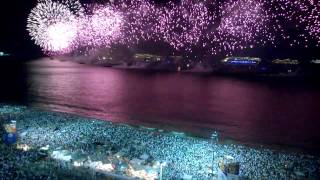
(15, 39)
(14, 36)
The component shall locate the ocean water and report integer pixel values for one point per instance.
(265, 110)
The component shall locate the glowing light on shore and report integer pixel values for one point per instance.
(23, 147)
(99, 166)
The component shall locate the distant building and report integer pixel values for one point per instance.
(315, 61)
(286, 61)
(286, 66)
(147, 58)
(246, 61)
(240, 65)
(151, 61)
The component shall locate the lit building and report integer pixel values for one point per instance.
(315, 61)
(286, 61)
(240, 64)
(147, 58)
(241, 61)
(286, 66)
(168, 63)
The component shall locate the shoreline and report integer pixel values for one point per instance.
(205, 72)
(168, 129)
(99, 145)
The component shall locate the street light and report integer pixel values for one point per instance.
(161, 165)
(214, 139)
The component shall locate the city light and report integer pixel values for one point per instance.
(241, 60)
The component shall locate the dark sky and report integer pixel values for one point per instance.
(13, 36)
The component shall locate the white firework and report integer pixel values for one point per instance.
(73, 5)
(53, 26)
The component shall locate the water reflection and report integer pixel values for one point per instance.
(261, 111)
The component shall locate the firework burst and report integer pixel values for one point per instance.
(183, 25)
(102, 28)
(208, 26)
(53, 27)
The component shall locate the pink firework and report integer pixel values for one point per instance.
(183, 25)
(244, 24)
(190, 26)
(141, 20)
(102, 28)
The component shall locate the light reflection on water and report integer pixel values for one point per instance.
(259, 111)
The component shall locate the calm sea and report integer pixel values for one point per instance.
(271, 111)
